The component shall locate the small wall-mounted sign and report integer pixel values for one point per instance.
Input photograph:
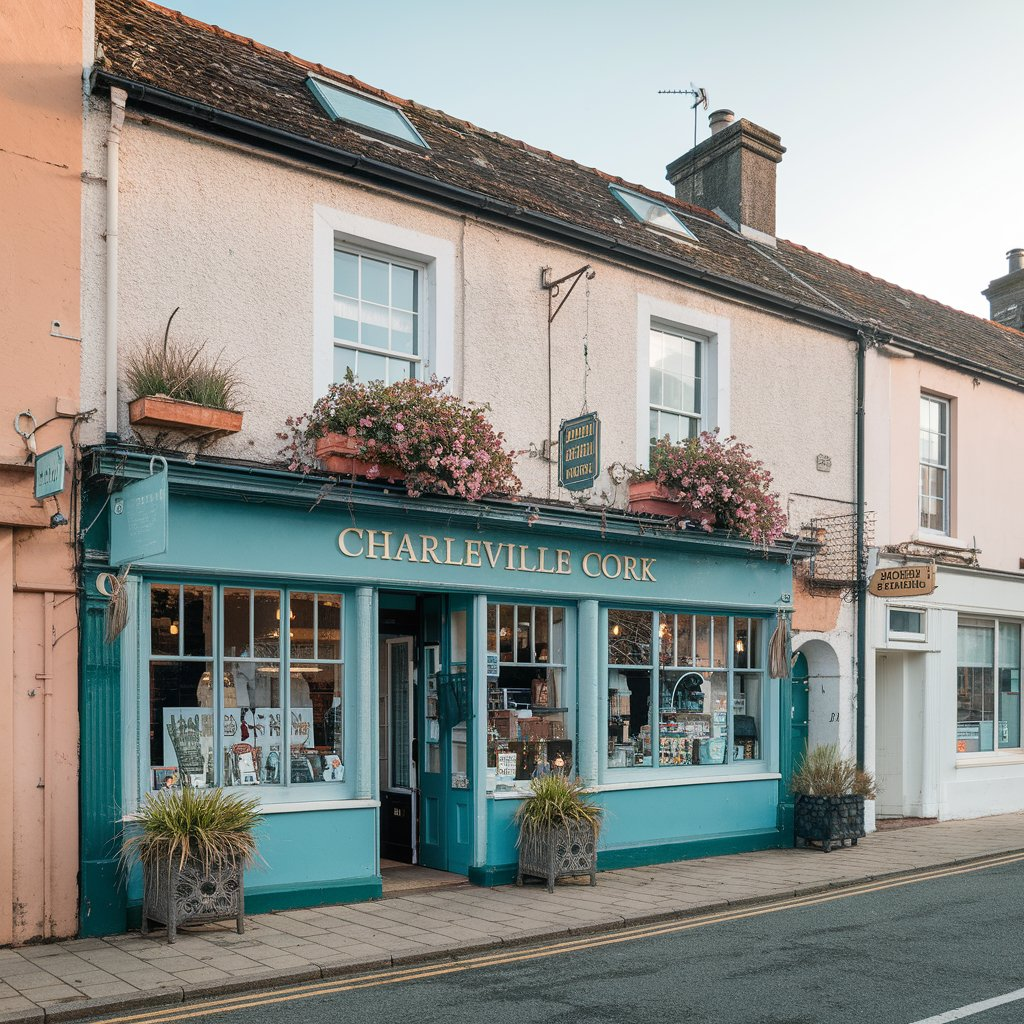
(138, 519)
(905, 581)
(824, 464)
(50, 472)
(579, 452)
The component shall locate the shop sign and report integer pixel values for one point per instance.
(50, 472)
(138, 520)
(390, 546)
(906, 581)
(579, 452)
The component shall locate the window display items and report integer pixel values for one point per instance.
(166, 777)
(334, 770)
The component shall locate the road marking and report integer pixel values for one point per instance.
(973, 1008)
(228, 1004)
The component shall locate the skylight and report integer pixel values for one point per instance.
(345, 105)
(651, 212)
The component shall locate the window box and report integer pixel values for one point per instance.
(339, 453)
(652, 498)
(188, 417)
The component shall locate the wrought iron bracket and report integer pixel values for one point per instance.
(553, 288)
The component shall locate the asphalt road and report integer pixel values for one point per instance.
(900, 955)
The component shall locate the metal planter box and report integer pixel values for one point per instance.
(829, 819)
(175, 894)
(558, 853)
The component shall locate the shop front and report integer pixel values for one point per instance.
(388, 674)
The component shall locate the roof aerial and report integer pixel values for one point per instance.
(348, 105)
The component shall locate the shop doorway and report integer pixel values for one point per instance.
(425, 717)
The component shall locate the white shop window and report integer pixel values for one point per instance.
(246, 689)
(988, 685)
(906, 624)
(384, 301)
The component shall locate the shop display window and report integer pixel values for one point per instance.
(219, 713)
(988, 686)
(706, 705)
(527, 702)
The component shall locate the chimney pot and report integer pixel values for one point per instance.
(720, 119)
(1016, 258)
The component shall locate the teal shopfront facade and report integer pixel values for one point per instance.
(387, 674)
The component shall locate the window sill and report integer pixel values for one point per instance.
(939, 540)
(990, 759)
(700, 780)
(296, 806)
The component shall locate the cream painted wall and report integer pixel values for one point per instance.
(229, 236)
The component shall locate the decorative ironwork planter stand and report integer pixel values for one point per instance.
(558, 853)
(174, 895)
(828, 820)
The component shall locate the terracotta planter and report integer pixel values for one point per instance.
(188, 417)
(651, 498)
(340, 454)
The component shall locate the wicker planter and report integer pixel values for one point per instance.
(174, 895)
(828, 820)
(188, 417)
(340, 454)
(558, 853)
(651, 498)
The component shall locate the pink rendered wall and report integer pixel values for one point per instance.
(987, 445)
(40, 202)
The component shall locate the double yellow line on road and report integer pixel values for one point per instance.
(228, 1004)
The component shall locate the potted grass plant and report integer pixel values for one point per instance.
(193, 845)
(830, 793)
(558, 828)
(179, 386)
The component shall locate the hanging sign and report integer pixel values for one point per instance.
(579, 452)
(138, 518)
(904, 581)
(50, 472)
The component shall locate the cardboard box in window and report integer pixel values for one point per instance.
(505, 722)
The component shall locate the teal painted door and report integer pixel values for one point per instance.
(800, 708)
(445, 707)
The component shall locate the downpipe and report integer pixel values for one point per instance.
(118, 98)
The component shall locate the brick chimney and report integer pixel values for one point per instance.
(733, 171)
(1006, 294)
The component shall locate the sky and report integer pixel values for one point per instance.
(901, 119)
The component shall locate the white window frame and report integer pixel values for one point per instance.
(898, 635)
(714, 333)
(433, 257)
(947, 518)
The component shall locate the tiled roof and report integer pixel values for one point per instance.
(160, 49)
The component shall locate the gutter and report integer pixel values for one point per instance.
(178, 108)
(864, 340)
(118, 97)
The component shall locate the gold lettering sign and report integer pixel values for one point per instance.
(385, 546)
(905, 581)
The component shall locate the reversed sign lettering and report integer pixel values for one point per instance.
(50, 472)
(905, 581)
(579, 452)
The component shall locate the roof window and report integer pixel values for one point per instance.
(345, 105)
(652, 213)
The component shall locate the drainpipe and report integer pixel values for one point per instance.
(118, 97)
(863, 343)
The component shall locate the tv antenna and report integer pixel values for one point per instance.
(700, 99)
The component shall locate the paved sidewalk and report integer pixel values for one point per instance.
(64, 980)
